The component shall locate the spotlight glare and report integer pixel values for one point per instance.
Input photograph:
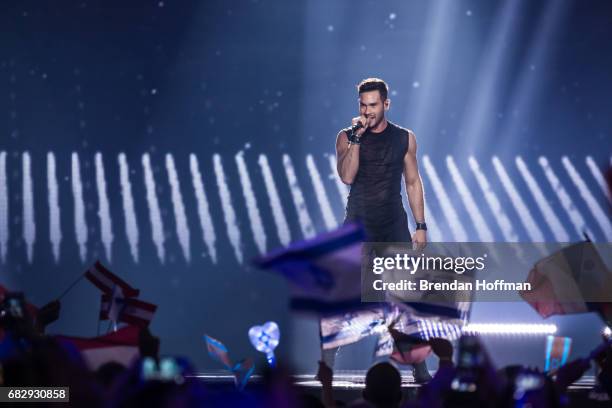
(510, 328)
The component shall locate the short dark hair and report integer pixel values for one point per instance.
(383, 385)
(374, 84)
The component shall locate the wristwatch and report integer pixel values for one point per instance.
(421, 226)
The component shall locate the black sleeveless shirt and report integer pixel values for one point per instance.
(375, 196)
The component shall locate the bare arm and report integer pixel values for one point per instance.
(347, 156)
(414, 185)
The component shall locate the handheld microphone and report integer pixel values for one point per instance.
(356, 126)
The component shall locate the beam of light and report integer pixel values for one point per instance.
(432, 225)
(534, 232)
(206, 222)
(484, 233)
(450, 214)
(80, 221)
(600, 216)
(106, 222)
(558, 230)
(575, 217)
(4, 210)
(510, 328)
(498, 212)
(182, 227)
(317, 183)
(229, 214)
(479, 113)
(533, 68)
(598, 176)
(343, 189)
(432, 65)
(55, 226)
(282, 228)
(157, 226)
(131, 226)
(298, 199)
(257, 226)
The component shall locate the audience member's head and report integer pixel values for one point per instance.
(383, 386)
(107, 373)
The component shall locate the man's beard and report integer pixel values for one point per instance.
(374, 122)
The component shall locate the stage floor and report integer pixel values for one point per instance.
(350, 379)
(348, 386)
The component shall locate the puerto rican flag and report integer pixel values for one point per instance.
(120, 346)
(106, 281)
(128, 310)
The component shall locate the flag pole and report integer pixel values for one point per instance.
(71, 286)
(99, 320)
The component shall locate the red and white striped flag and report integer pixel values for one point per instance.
(106, 281)
(120, 346)
(127, 310)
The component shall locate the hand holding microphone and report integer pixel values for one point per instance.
(359, 125)
(358, 128)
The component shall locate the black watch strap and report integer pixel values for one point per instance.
(421, 226)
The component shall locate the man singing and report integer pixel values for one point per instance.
(372, 159)
(372, 155)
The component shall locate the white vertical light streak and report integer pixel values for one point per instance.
(602, 219)
(55, 227)
(534, 232)
(459, 234)
(558, 230)
(282, 228)
(29, 223)
(435, 235)
(298, 199)
(182, 228)
(573, 213)
(157, 226)
(319, 188)
(406, 204)
(343, 189)
(231, 224)
(596, 172)
(80, 221)
(259, 234)
(206, 223)
(106, 222)
(493, 202)
(131, 226)
(484, 233)
(4, 210)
